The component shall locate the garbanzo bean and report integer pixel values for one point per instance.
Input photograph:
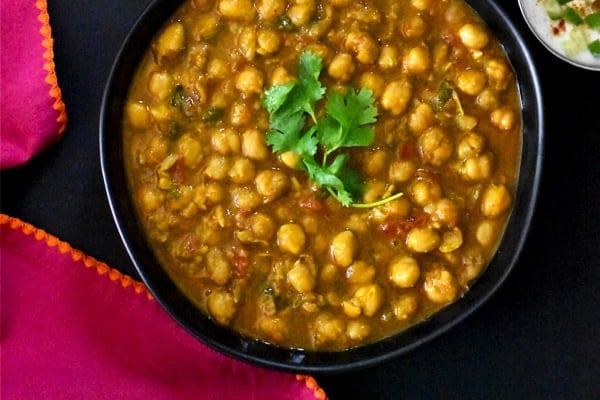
(374, 163)
(357, 330)
(221, 306)
(485, 233)
(417, 60)
(425, 192)
(268, 41)
(216, 69)
(301, 277)
(343, 248)
(396, 96)
(496, 200)
(270, 9)
(388, 57)
(420, 118)
(250, 80)
(440, 285)
(160, 84)
(301, 11)
(477, 168)
(370, 298)
(470, 145)
(253, 145)
(217, 168)
(413, 27)
(242, 10)
(435, 146)
(444, 212)
(226, 141)
(405, 306)
(271, 184)
(137, 115)
(360, 272)
(170, 42)
(404, 271)
(498, 73)
(401, 171)
(473, 36)
(471, 82)
(363, 46)
(190, 150)
(244, 198)
(327, 328)
(291, 238)
(371, 80)
(422, 240)
(218, 266)
(503, 118)
(341, 67)
(242, 171)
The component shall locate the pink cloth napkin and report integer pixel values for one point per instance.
(31, 107)
(70, 326)
(73, 328)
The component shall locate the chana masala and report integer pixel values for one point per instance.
(255, 232)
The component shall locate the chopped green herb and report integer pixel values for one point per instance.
(444, 94)
(593, 20)
(174, 131)
(572, 16)
(213, 114)
(594, 48)
(347, 122)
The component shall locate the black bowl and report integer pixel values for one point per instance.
(257, 352)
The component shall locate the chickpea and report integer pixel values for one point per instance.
(268, 42)
(465, 122)
(190, 150)
(421, 5)
(269, 10)
(425, 192)
(417, 60)
(471, 82)
(221, 306)
(388, 58)
(280, 76)
(203, 5)
(357, 330)
(374, 163)
(470, 145)
(219, 267)
(290, 159)
(413, 27)
(291, 238)
(485, 232)
(496, 200)
(487, 99)
(240, 114)
(214, 193)
(150, 199)
(440, 285)
(351, 308)
(451, 240)
(435, 146)
(340, 3)
(300, 12)
(444, 211)
(341, 67)
(363, 46)
(422, 240)
(370, 298)
(271, 184)
(205, 26)
(405, 306)
(217, 69)
(503, 118)
(396, 96)
(401, 171)
(404, 271)
(170, 42)
(217, 168)
(137, 115)
(344, 247)
(473, 36)
(242, 171)
(161, 112)
(327, 328)
(262, 226)
(246, 42)
(498, 74)
(360, 272)
(156, 151)
(242, 10)
(420, 118)
(253, 145)
(477, 168)
(374, 82)
(160, 84)
(245, 199)
(225, 141)
(274, 327)
(250, 80)
(301, 277)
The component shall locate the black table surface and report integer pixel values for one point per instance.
(538, 337)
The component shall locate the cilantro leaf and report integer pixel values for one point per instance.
(347, 123)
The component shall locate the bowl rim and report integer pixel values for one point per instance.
(266, 355)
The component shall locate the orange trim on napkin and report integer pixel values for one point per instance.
(312, 384)
(51, 79)
(76, 255)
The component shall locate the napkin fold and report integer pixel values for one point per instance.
(31, 107)
(73, 328)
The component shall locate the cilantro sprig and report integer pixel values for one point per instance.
(319, 141)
